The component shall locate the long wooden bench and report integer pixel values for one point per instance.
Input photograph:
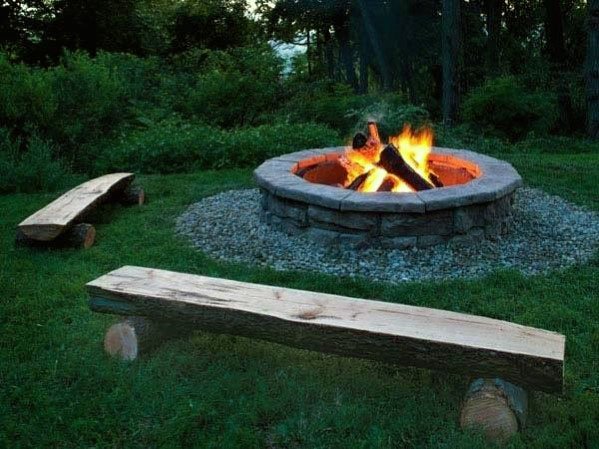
(395, 333)
(59, 221)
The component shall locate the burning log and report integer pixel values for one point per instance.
(359, 141)
(358, 181)
(373, 132)
(392, 161)
(436, 180)
(387, 185)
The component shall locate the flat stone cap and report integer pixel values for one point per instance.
(277, 176)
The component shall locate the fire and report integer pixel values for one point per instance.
(365, 173)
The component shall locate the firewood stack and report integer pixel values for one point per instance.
(369, 163)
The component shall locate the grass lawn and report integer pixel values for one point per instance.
(58, 389)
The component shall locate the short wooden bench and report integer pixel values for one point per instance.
(59, 223)
(414, 336)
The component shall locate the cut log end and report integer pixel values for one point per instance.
(496, 407)
(82, 235)
(120, 341)
(133, 195)
(137, 335)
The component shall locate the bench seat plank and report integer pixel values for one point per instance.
(49, 222)
(409, 335)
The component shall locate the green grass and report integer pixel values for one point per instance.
(58, 389)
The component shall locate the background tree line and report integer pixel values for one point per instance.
(176, 85)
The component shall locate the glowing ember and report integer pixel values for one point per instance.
(411, 151)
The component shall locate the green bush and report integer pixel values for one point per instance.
(337, 106)
(174, 147)
(91, 102)
(502, 107)
(390, 117)
(327, 103)
(27, 101)
(32, 169)
(235, 88)
(73, 104)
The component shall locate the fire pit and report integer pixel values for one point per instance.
(402, 194)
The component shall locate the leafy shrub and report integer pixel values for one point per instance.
(236, 87)
(31, 170)
(73, 104)
(139, 78)
(337, 106)
(27, 101)
(324, 102)
(91, 102)
(504, 108)
(390, 117)
(172, 146)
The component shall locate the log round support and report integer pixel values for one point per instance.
(81, 235)
(137, 335)
(496, 407)
(132, 195)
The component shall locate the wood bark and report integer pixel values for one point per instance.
(496, 407)
(592, 70)
(82, 235)
(136, 335)
(373, 132)
(386, 186)
(342, 32)
(48, 223)
(364, 61)
(493, 10)
(328, 53)
(396, 333)
(358, 181)
(450, 49)
(392, 161)
(375, 44)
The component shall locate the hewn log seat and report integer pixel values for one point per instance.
(57, 221)
(407, 335)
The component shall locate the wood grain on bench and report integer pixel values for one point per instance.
(396, 333)
(48, 223)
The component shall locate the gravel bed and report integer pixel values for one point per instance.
(548, 233)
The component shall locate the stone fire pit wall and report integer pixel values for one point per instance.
(461, 213)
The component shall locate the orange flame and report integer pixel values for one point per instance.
(414, 147)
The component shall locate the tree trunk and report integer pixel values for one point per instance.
(493, 31)
(345, 53)
(328, 53)
(308, 54)
(556, 50)
(375, 44)
(592, 71)
(364, 61)
(451, 60)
